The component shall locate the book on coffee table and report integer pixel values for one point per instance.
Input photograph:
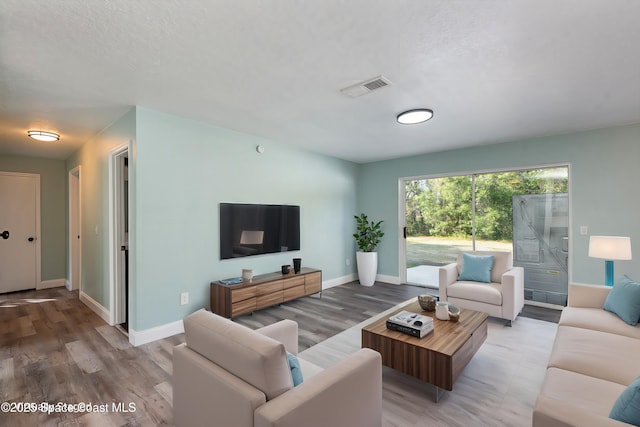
(413, 324)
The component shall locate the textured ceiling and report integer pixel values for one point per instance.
(491, 70)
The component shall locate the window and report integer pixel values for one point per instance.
(524, 211)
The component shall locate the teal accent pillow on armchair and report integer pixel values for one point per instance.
(476, 268)
(627, 407)
(296, 372)
(624, 300)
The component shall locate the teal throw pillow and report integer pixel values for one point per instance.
(476, 268)
(296, 372)
(627, 407)
(624, 300)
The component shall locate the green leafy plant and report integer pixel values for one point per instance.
(368, 233)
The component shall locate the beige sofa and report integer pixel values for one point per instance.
(503, 297)
(229, 375)
(594, 358)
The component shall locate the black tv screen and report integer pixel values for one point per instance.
(252, 229)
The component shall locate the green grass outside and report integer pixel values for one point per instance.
(444, 250)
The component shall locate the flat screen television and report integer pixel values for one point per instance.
(253, 229)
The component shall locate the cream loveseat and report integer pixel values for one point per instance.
(228, 375)
(595, 356)
(502, 297)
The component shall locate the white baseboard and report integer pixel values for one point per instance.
(95, 306)
(48, 284)
(394, 280)
(137, 338)
(339, 281)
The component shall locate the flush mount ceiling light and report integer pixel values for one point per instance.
(412, 117)
(42, 135)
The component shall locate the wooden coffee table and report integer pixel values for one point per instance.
(437, 358)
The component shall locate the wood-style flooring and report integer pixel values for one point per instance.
(54, 350)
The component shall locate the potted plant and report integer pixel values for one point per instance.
(367, 237)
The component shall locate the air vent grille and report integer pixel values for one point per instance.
(365, 87)
(375, 84)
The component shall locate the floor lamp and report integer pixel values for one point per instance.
(610, 248)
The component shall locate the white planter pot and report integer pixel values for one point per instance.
(367, 263)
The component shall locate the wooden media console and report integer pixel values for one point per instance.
(263, 291)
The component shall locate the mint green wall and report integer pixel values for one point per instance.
(183, 170)
(603, 178)
(93, 158)
(53, 222)
(180, 170)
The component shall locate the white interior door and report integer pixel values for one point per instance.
(18, 231)
(75, 225)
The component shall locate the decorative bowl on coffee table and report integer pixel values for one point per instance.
(427, 302)
(454, 313)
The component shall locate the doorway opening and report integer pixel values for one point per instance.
(119, 236)
(75, 231)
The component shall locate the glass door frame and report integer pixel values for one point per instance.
(402, 241)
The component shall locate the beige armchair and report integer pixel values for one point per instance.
(503, 297)
(229, 375)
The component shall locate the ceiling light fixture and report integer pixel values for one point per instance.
(42, 135)
(412, 117)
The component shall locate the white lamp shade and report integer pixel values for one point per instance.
(610, 247)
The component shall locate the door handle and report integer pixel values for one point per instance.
(5, 234)
(31, 239)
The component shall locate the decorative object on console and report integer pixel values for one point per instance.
(247, 274)
(233, 281)
(367, 237)
(297, 264)
(610, 248)
(285, 269)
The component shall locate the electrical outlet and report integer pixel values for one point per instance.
(184, 298)
(584, 230)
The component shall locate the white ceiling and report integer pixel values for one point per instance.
(492, 70)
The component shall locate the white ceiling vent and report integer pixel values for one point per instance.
(367, 86)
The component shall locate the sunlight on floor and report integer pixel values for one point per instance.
(18, 302)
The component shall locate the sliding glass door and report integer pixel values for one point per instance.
(447, 215)
(438, 225)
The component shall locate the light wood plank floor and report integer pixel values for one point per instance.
(53, 349)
